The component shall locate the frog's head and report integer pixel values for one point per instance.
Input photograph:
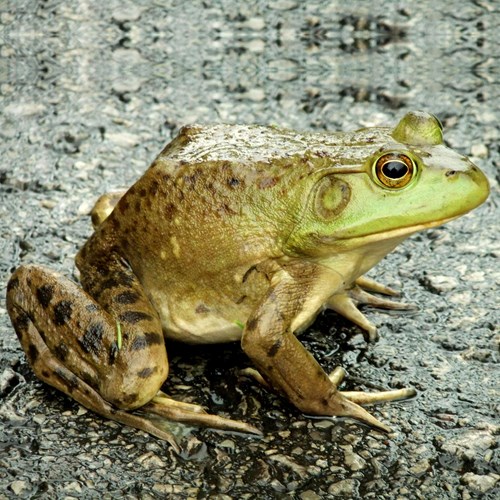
(407, 181)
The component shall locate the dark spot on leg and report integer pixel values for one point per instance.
(108, 283)
(274, 349)
(133, 317)
(68, 378)
(138, 344)
(146, 340)
(123, 206)
(13, 283)
(130, 399)
(21, 322)
(153, 189)
(91, 342)
(251, 324)
(169, 210)
(32, 353)
(233, 182)
(46, 374)
(89, 379)
(146, 372)
(115, 223)
(201, 308)
(62, 312)
(128, 297)
(324, 402)
(113, 353)
(124, 278)
(61, 351)
(44, 295)
(153, 338)
(91, 307)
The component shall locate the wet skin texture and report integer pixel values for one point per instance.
(238, 233)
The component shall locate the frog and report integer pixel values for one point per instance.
(239, 233)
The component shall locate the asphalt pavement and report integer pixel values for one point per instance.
(90, 92)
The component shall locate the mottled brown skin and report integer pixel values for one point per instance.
(235, 233)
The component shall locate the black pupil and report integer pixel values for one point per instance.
(395, 169)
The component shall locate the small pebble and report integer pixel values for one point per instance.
(480, 483)
(18, 487)
(344, 487)
(124, 139)
(479, 151)
(442, 283)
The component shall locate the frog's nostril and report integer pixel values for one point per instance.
(450, 173)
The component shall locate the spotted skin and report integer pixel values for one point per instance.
(52, 370)
(80, 333)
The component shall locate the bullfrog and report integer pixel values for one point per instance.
(238, 233)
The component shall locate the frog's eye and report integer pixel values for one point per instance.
(394, 170)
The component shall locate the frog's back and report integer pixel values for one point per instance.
(252, 144)
(238, 187)
(245, 183)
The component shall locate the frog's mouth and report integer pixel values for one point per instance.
(394, 234)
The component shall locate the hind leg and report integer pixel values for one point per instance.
(109, 355)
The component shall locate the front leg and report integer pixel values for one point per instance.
(347, 301)
(268, 339)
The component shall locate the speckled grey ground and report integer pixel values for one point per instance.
(90, 92)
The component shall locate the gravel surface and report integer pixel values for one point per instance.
(89, 94)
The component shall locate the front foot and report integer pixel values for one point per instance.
(347, 302)
(347, 403)
(286, 366)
